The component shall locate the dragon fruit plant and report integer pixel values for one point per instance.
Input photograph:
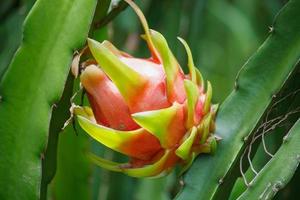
(147, 109)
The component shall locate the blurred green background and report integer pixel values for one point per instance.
(222, 34)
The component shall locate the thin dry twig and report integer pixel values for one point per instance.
(249, 159)
(281, 118)
(266, 127)
(264, 145)
(241, 168)
(284, 98)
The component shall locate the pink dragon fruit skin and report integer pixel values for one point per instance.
(147, 109)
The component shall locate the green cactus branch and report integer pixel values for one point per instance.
(122, 5)
(60, 115)
(65, 165)
(261, 77)
(73, 175)
(283, 165)
(99, 15)
(40, 68)
(277, 121)
(11, 29)
(42, 160)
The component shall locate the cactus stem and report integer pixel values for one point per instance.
(42, 155)
(221, 181)
(181, 182)
(236, 86)
(285, 139)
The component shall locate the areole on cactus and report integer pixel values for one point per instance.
(147, 109)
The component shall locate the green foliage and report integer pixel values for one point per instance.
(11, 30)
(35, 94)
(31, 86)
(59, 116)
(261, 77)
(72, 180)
(277, 121)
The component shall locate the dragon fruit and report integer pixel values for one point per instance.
(147, 109)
